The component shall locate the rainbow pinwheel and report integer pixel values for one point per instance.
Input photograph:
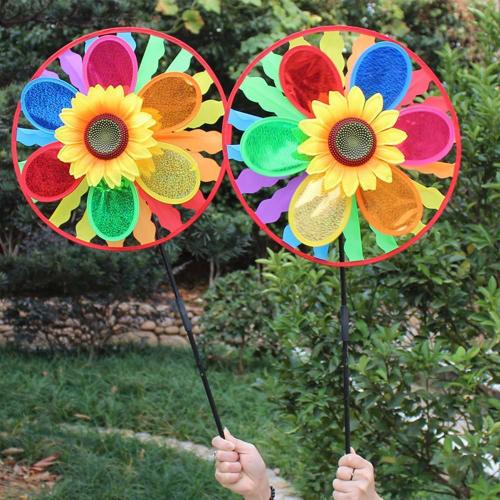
(119, 144)
(355, 135)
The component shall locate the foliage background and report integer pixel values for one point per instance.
(425, 323)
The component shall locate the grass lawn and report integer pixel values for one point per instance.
(156, 391)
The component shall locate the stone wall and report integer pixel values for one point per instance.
(67, 324)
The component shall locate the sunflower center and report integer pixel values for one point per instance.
(352, 142)
(106, 136)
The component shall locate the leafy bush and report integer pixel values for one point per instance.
(237, 314)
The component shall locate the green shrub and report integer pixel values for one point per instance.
(237, 314)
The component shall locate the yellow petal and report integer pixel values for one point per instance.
(367, 179)
(382, 170)
(70, 118)
(72, 152)
(390, 154)
(137, 151)
(323, 112)
(373, 107)
(95, 173)
(385, 120)
(130, 105)
(319, 164)
(391, 137)
(127, 166)
(112, 173)
(317, 217)
(333, 177)
(313, 146)
(68, 135)
(314, 128)
(80, 167)
(338, 105)
(139, 120)
(350, 181)
(355, 102)
(430, 196)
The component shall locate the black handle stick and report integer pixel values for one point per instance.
(344, 334)
(189, 330)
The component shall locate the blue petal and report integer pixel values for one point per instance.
(30, 137)
(43, 99)
(289, 237)
(385, 68)
(241, 120)
(234, 153)
(89, 42)
(321, 252)
(127, 37)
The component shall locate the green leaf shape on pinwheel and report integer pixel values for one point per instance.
(269, 147)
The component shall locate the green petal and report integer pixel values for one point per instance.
(113, 213)
(269, 147)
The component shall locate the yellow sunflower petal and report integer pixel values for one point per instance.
(350, 181)
(390, 154)
(333, 177)
(80, 167)
(355, 102)
(319, 164)
(112, 173)
(338, 104)
(140, 119)
(69, 135)
(137, 151)
(323, 112)
(385, 120)
(95, 173)
(367, 179)
(128, 166)
(314, 128)
(70, 118)
(373, 107)
(382, 170)
(313, 146)
(391, 137)
(71, 153)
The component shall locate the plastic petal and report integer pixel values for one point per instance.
(43, 99)
(307, 74)
(352, 233)
(155, 50)
(359, 45)
(110, 61)
(176, 97)
(315, 216)
(168, 216)
(31, 137)
(69, 203)
(393, 208)
(269, 98)
(113, 213)
(430, 134)
(181, 62)
(385, 68)
(45, 177)
(269, 147)
(194, 140)
(251, 182)
(176, 177)
(242, 120)
(145, 230)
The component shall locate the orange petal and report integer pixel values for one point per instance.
(145, 230)
(439, 169)
(176, 97)
(393, 208)
(209, 169)
(194, 140)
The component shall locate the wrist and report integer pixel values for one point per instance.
(262, 492)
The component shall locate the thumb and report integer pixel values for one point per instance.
(239, 445)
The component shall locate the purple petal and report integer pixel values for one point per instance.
(71, 64)
(49, 74)
(270, 210)
(250, 182)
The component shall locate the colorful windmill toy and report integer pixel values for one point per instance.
(351, 138)
(123, 145)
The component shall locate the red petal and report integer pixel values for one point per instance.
(196, 202)
(307, 74)
(110, 61)
(45, 177)
(420, 81)
(168, 216)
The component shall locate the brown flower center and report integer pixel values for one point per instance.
(106, 136)
(352, 142)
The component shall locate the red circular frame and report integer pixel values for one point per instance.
(227, 134)
(50, 60)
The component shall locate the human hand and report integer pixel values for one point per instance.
(240, 468)
(355, 479)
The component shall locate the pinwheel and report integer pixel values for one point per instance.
(127, 143)
(344, 134)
